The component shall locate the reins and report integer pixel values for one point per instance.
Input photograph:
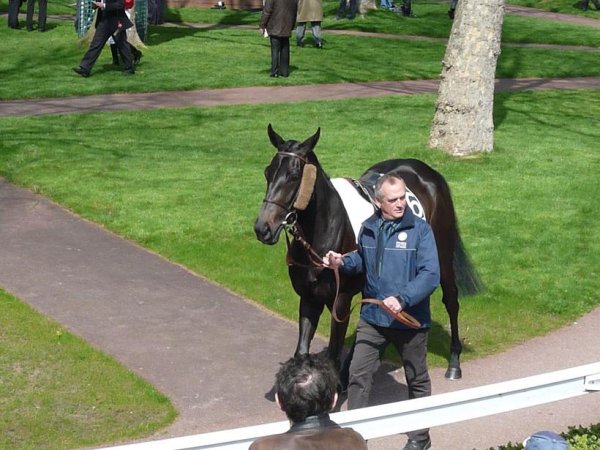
(316, 261)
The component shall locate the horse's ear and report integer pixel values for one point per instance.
(276, 140)
(309, 144)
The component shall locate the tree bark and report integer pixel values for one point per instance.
(463, 121)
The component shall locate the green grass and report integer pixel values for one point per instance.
(58, 392)
(189, 58)
(188, 184)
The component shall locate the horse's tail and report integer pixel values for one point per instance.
(467, 279)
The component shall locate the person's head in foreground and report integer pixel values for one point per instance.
(305, 386)
(545, 440)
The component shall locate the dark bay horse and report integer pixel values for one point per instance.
(300, 195)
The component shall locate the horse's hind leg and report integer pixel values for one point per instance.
(450, 299)
(309, 319)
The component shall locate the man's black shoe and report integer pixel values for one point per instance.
(319, 45)
(418, 445)
(274, 75)
(129, 71)
(81, 71)
(405, 11)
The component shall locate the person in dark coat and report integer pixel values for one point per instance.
(111, 21)
(13, 13)
(42, 14)
(278, 19)
(398, 255)
(306, 390)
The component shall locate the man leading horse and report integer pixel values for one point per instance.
(397, 253)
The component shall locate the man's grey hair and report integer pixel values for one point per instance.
(390, 178)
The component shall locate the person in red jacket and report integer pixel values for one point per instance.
(111, 21)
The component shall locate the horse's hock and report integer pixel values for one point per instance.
(229, 4)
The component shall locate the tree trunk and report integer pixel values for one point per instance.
(463, 122)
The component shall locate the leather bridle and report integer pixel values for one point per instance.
(289, 210)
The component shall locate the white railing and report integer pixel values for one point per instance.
(401, 417)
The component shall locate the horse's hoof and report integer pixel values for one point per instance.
(454, 373)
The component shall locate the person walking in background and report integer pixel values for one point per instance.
(306, 390)
(398, 255)
(111, 21)
(42, 14)
(309, 11)
(278, 19)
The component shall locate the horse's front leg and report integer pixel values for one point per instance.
(310, 312)
(338, 330)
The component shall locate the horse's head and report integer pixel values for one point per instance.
(290, 181)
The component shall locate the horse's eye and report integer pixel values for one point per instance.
(268, 173)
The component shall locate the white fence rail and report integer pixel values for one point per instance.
(401, 417)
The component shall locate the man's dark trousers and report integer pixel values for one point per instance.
(43, 6)
(371, 342)
(280, 56)
(13, 13)
(103, 32)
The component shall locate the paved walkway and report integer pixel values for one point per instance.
(186, 336)
(261, 94)
(182, 333)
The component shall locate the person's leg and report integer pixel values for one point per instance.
(125, 51)
(13, 13)
(352, 11)
(406, 7)
(29, 17)
(137, 54)
(412, 347)
(284, 57)
(315, 28)
(275, 49)
(115, 54)
(341, 10)
(42, 15)
(100, 37)
(300, 30)
(368, 348)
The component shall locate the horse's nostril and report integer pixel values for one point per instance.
(261, 230)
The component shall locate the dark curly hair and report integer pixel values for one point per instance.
(306, 386)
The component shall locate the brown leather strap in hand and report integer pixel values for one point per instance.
(402, 316)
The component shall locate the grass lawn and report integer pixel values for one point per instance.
(183, 58)
(58, 392)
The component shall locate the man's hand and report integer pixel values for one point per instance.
(100, 5)
(393, 304)
(332, 260)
